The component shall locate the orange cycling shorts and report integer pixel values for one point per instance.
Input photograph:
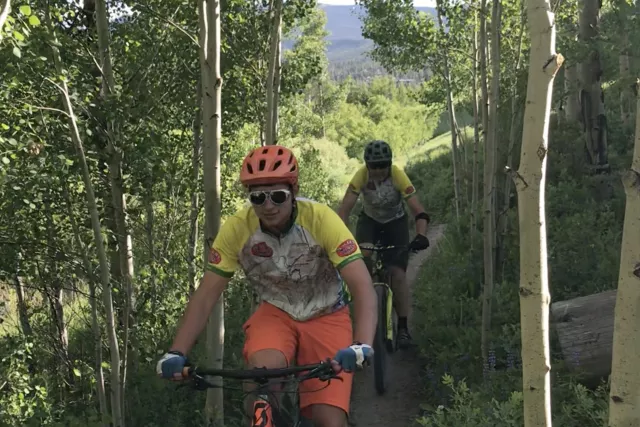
(308, 342)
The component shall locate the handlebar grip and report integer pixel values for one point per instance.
(186, 371)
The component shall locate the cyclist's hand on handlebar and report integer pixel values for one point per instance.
(351, 357)
(171, 365)
(420, 242)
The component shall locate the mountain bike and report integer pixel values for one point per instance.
(267, 412)
(385, 341)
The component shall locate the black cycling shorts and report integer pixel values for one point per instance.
(393, 233)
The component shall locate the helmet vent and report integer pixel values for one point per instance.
(277, 164)
(280, 152)
(262, 164)
(250, 168)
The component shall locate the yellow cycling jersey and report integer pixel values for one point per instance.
(382, 201)
(296, 272)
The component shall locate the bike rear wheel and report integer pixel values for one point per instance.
(380, 341)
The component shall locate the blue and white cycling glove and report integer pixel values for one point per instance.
(356, 355)
(172, 363)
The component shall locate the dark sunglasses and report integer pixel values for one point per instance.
(277, 197)
(378, 165)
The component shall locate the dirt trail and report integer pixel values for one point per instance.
(401, 402)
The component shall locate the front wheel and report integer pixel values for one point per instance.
(380, 341)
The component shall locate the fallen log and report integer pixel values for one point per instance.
(584, 327)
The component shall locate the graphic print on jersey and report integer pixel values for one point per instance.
(346, 248)
(298, 278)
(214, 256)
(262, 250)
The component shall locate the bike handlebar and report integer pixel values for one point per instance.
(380, 248)
(322, 371)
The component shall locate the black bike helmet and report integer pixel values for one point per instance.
(377, 152)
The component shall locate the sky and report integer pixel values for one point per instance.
(419, 3)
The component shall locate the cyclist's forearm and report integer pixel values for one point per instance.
(195, 318)
(421, 226)
(366, 318)
(343, 213)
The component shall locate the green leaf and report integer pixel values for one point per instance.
(16, 52)
(6, 160)
(76, 372)
(34, 21)
(18, 36)
(4, 126)
(25, 9)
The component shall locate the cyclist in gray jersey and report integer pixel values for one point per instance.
(384, 187)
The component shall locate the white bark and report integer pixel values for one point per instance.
(195, 202)
(4, 14)
(273, 77)
(624, 405)
(530, 184)
(125, 249)
(490, 164)
(105, 279)
(455, 154)
(209, 11)
(93, 303)
(476, 131)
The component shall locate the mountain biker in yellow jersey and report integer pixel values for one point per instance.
(383, 187)
(295, 253)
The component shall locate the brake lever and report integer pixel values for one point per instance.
(200, 383)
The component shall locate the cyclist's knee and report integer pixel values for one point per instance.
(399, 274)
(267, 358)
(366, 244)
(328, 416)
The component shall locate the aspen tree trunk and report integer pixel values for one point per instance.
(624, 404)
(105, 279)
(572, 91)
(626, 91)
(452, 117)
(530, 181)
(503, 224)
(484, 105)
(125, 245)
(21, 303)
(4, 14)
(476, 131)
(591, 97)
(273, 85)
(209, 11)
(93, 303)
(195, 203)
(490, 165)
(275, 120)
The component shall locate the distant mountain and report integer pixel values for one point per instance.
(345, 28)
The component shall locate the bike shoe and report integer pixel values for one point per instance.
(404, 339)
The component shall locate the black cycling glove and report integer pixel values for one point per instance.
(419, 243)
